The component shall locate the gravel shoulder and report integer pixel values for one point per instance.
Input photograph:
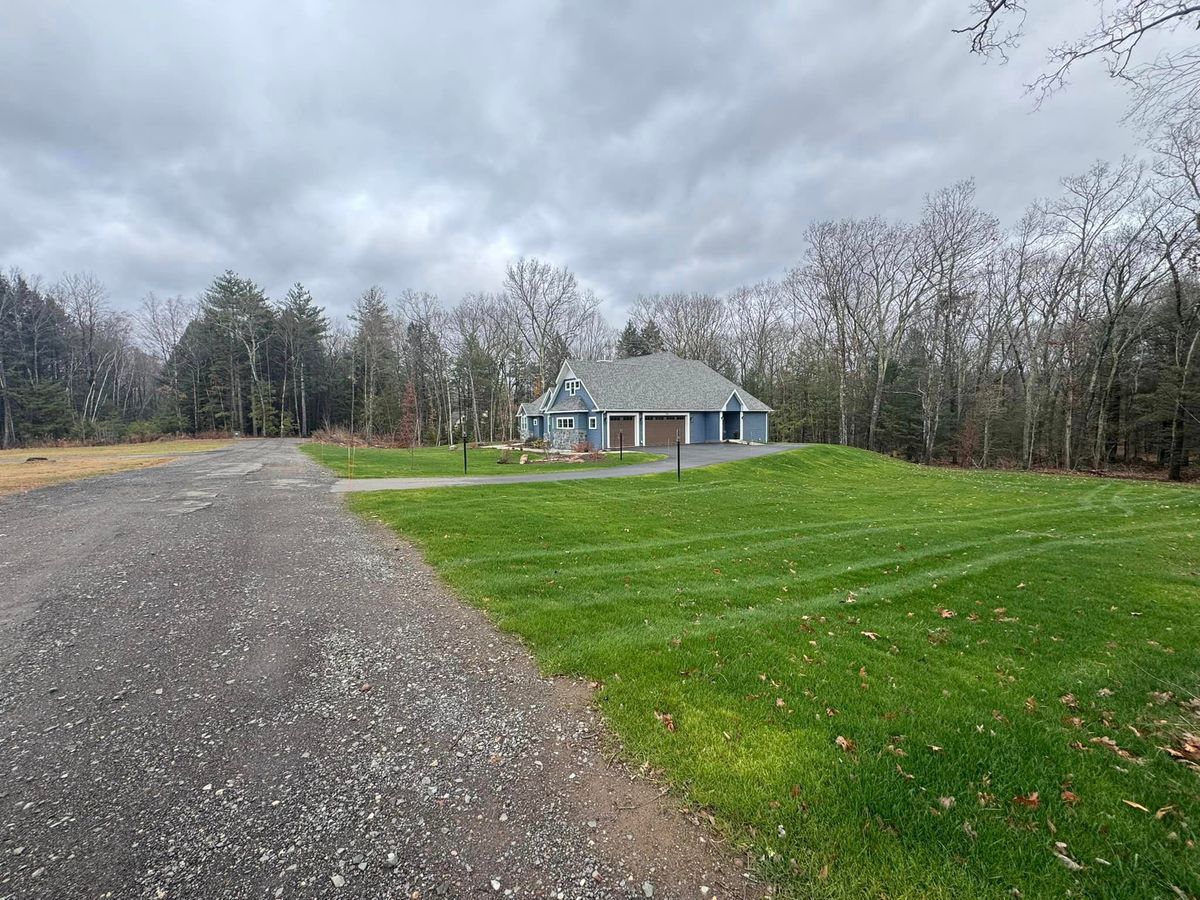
(217, 682)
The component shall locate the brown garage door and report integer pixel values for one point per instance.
(622, 431)
(661, 430)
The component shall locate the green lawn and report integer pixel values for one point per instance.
(890, 681)
(430, 462)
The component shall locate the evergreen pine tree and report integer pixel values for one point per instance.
(630, 342)
(652, 339)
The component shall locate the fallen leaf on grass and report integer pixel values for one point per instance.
(946, 613)
(1109, 743)
(870, 634)
(1028, 800)
(969, 831)
(824, 873)
(1136, 806)
(1069, 701)
(1060, 852)
(1162, 812)
(668, 722)
(934, 748)
(847, 745)
(1070, 797)
(1188, 750)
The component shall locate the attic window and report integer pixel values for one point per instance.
(572, 385)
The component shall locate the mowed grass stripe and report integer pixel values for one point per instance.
(833, 528)
(1030, 635)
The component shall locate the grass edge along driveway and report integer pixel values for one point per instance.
(433, 462)
(888, 680)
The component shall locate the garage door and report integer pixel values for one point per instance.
(661, 430)
(622, 431)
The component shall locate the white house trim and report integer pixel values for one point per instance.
(734, 393)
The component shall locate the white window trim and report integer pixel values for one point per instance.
(559, 420)
(592, 423)
(572, 386)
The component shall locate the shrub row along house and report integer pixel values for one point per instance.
(642, 401)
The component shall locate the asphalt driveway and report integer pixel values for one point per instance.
(216, 682)
(693, 456)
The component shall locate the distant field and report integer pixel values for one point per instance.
(432, 462)
(72, 463)
(888, 680)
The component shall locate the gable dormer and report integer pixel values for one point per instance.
(570, 392)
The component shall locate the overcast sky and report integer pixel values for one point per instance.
(648, 146)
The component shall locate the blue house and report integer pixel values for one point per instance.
(531, 420)
(642, 401)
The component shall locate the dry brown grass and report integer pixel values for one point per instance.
(72, 463)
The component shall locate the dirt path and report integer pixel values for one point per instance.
(215, 682)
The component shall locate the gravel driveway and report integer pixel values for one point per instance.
(216, 682)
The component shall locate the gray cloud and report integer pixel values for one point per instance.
(648, 146)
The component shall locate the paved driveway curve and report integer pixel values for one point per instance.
(693, 457)
(216, 682)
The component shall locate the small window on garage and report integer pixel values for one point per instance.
(591, 421)
(564, 422)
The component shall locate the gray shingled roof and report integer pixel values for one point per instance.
(658, 382)
(567, 403)
(535, 407)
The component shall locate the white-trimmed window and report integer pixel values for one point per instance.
(572, 386)
(592, 422)
(564, 422)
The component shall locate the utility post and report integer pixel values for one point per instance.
(621, 445)
(678, 463)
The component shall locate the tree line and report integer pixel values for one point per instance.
(1069, 340)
